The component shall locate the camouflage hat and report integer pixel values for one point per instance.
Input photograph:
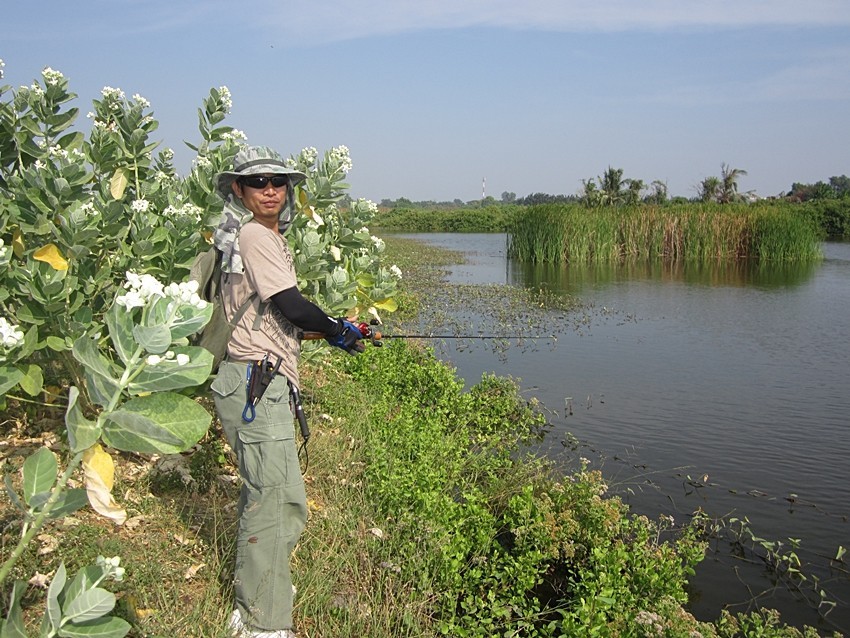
(253, 160)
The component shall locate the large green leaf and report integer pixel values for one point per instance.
(10, 376)
(102, 383)
(40, 472)
(154, 339)
(54, 609)
(32, 379)
(90, 604)
(14, 625)
(69, 502)
(169, 375)
(108, 627)
(190, 320)
(163, 423)
(120, 323)
(82, 432)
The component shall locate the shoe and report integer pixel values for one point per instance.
(239, 630)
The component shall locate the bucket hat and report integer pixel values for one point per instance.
(254, 160)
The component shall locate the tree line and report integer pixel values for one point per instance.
(612, 188)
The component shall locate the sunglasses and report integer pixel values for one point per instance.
(261, 181)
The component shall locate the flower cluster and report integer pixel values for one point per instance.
(111, 567)
(112, 94)
(342, 156)
(4, 253)
(140, 288)
(2, 64)
(186, 210)
(140, 205)
(395, 271)
(10, 335)
(141, 101)
(51, 77)
(234, 136)
(187, 293)
(226, 98)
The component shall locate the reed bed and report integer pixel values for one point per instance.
(559, 233)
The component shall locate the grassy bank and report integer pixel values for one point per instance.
(428, 518)
(687, 232)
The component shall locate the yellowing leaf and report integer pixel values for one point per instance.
(100, 462)
(99, 471)
(51, 255)
(118, 183)
(18, 244)
(390, 305)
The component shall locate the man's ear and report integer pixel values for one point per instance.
(236, 187)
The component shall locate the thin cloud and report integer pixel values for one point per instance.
(351, 19)
(820, 75)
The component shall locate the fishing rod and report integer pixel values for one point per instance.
(376, 337)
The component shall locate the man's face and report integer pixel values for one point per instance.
(264, 201)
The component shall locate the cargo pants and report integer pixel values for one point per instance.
(272, 507)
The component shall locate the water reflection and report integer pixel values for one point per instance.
(575, 278)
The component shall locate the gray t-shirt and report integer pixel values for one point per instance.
(269, 269)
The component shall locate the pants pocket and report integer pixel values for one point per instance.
(268, 456)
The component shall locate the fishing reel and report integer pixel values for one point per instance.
(370, 334)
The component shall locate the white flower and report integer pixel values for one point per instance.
(109, 93)
(153, 359)
(226, 99)
(10, 335)
(2, 64)
(144, 103)
(308, 155)
(395, 271)
(379, 243)
(336, 253)
(39, 165)
(51, 77)
(202, 162)
(235, 135)
(111, 567)
(57, 151)
(168, 154)
(91, 115)
(37, 90)
(169, 355)
(146, 286)
(131, 300)
(340, 154)
(140, 205)
(182, 359)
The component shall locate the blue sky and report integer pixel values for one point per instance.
(434, 96)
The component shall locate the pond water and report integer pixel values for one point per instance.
(724, 388)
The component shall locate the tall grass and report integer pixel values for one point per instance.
(568, 233)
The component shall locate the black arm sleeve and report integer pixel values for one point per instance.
(305, 314)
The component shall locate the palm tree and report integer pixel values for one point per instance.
(728, 187)
(612, 183)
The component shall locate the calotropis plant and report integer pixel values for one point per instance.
(134, 375)
(79, 210)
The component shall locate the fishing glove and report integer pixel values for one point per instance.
(349, 338)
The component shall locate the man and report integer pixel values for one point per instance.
(257, 265)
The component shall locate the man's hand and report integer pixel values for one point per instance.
(349, 338)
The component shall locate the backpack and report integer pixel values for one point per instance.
(206, 270)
